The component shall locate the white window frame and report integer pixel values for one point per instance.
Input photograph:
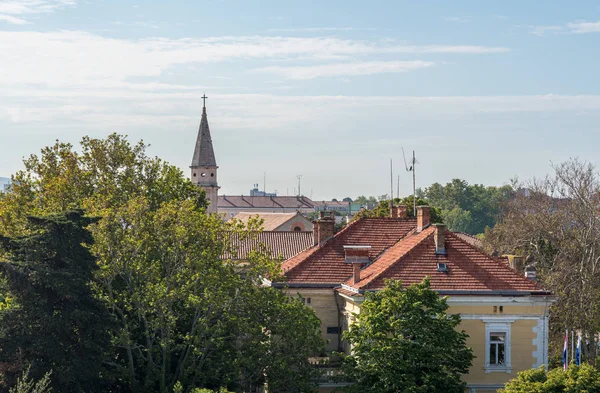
(498, 326)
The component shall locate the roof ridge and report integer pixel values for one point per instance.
(495, 259)
(428, 231)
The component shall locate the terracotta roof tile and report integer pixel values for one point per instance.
(475, 241)
(399, 252)
(325, 264)
(282, 244)
(469, 269)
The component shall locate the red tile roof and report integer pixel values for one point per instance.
(282, 244)
(264, 202)
(325, 263)
(469, 269)
(399, 252)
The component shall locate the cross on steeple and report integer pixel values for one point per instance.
(204, 97)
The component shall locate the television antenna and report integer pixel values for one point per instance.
(411, 168)
(299, 181)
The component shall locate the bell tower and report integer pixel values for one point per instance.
(204, 165)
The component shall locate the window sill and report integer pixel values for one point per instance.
(498, 369)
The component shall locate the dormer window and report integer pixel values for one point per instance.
(442, 267)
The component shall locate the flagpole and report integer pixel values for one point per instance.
(566, 350)
(572, 346)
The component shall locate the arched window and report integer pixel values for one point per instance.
(297, 229)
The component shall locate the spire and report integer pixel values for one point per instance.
(204, 154)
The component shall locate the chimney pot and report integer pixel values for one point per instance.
(423, 217)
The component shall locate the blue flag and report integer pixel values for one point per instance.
(578, 351)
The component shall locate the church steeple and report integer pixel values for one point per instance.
(204, 154)
(204, 165)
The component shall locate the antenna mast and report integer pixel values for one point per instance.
(265, 183)
(391, 183)
(411, 168)
(299, 178)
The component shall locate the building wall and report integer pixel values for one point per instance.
(323, 302)
(299, 221)
(528, 330)
(232, 211)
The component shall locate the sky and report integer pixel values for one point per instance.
(329, 90)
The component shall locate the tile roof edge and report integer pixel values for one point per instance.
(429, 229)
(497, 260)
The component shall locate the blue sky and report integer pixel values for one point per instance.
(483, 91)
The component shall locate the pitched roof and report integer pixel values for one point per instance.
(265, 202)
(271, 221)
(399, 252)
(282, 245)
(469, 268)
(325, 263)
(475, 241)
(204, 154)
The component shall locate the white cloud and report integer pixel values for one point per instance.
(318, 29)
(584, 27)
(456, 19)
(347, 69)
(580, 27)
(10, 8)
(76, 58)
(541, 31)
(13, 19)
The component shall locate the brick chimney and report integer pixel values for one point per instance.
(423, 217)
(358, 256)
(399, 211)
(440, 239)
(323, 227)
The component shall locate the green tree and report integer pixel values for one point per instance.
(187, 316)
(404, 341)
(182, 313)
(55, 322)
(26, 384)
(555, 223)
(383, 209)
(465, 207)
(576, 379)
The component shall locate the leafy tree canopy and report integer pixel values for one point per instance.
(55, 323)
(383, 209)
(577, 379)
(183, 313)
(404, 341)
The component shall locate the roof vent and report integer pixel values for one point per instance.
(358, 256)
(442, 267)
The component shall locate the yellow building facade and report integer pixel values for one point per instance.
(505, 314)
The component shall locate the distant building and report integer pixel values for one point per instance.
(278, 222)
(234, 204)
(256, 192)
(336, 206)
